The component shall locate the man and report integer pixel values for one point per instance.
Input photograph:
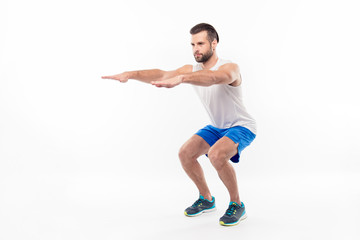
(218, 84)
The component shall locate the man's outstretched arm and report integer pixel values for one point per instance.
(150, 75)
(226, 74)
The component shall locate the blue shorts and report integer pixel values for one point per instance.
(238, 134)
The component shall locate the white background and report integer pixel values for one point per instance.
(86, 158)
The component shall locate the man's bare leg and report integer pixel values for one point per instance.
(188, 154)
(219, 155)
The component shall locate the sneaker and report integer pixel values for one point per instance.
(200, 206)
(234, 214)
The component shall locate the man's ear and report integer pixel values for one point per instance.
(214, 44)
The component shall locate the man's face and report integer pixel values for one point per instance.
(201, 46)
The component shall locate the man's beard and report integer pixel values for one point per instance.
(206, 56)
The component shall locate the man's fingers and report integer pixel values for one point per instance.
(162, 85)
(109, 77)
(157, 83)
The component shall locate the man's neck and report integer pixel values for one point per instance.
(211, 62)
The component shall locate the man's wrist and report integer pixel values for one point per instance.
(181, 78)
(132, 74)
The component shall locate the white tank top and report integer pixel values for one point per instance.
(224, 103)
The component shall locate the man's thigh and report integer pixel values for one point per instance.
(224, 147)
(195, 146)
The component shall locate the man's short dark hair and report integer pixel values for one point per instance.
(211, 32)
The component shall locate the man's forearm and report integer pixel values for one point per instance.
(205, 78)
(146, 75)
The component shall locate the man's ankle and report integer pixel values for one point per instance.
(208, 197)
(236, 201)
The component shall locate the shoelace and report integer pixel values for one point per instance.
(230, 211)
(197, 203)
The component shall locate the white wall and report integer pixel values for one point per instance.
(63, 129)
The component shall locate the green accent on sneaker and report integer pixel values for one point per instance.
(233, 215)
(200, 206)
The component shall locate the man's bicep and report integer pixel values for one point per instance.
(231, 73)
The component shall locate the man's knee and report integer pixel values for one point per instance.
(186, 156)
(217, 158)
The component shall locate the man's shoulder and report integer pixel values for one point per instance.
(227, 64)
(224, 61)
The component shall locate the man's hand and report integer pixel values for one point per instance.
(122, 77)
(168, 83)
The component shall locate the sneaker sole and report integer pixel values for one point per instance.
(234, 223)
(199, 213)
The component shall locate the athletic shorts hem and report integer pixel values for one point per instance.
(237, 134)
